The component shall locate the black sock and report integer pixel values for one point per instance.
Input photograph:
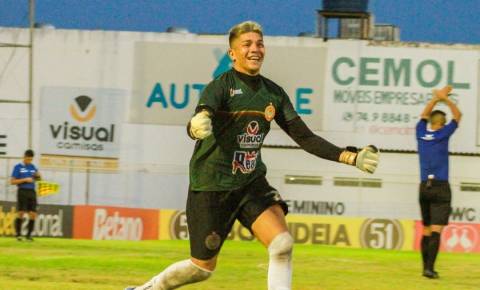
(424, 249)
(18, 226)
(433, 246)
(31, 223)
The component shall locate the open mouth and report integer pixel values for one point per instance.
(255, 58)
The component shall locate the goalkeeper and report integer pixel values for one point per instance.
(227, 175)
(23, 176)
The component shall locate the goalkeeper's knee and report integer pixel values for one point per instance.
(281, 247)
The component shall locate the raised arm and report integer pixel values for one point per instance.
(457, 115)
(442, 96)
(438, 95)
(429, 108)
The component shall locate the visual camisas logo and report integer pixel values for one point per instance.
(251, 138)
(83, 122)
(83, 109)
(81, 131)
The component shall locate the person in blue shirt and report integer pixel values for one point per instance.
(23, 176)
(435, 194)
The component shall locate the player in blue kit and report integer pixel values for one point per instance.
(435, 194)
(23, 176)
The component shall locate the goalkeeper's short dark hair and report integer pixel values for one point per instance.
(29, 153)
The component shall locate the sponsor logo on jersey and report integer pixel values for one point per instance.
(251, 139)
(428, 137)
(269, 112)
(244, 161)
(234, 92)
(25, 170)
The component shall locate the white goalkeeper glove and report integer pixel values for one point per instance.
(201, 125)
(365, 160)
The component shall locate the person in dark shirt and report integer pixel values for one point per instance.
(23, 176)
(227, 174)
(435, 194)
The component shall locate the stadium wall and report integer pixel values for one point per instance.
(142, 88)
(120, 223)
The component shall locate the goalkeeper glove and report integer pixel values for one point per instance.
(201, 125)
(365, 160)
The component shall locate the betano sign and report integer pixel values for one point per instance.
(377, 92)
(81, 122)
(115, 223)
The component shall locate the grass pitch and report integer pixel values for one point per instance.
(48, 264)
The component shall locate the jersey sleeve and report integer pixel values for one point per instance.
(16, 172)
(286, 112)
(448, 130)
(211, 97)
(310, 142)
(421, 128)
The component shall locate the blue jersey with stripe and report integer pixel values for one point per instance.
(24, 171)
(433, 149)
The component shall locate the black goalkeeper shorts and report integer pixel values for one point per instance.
(211, 214)
(435, 202)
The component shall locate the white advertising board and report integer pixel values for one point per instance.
(169, 77)
(13, 129)
(376, 94)
(81, 121)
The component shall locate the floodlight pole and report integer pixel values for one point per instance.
(30, 71)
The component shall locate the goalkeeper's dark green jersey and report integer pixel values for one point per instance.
(230, 157)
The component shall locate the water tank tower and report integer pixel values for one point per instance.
(354, 20)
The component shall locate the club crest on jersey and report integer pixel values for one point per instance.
(244, 161)
(269, 112)
(234, 92)
(251, 139)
